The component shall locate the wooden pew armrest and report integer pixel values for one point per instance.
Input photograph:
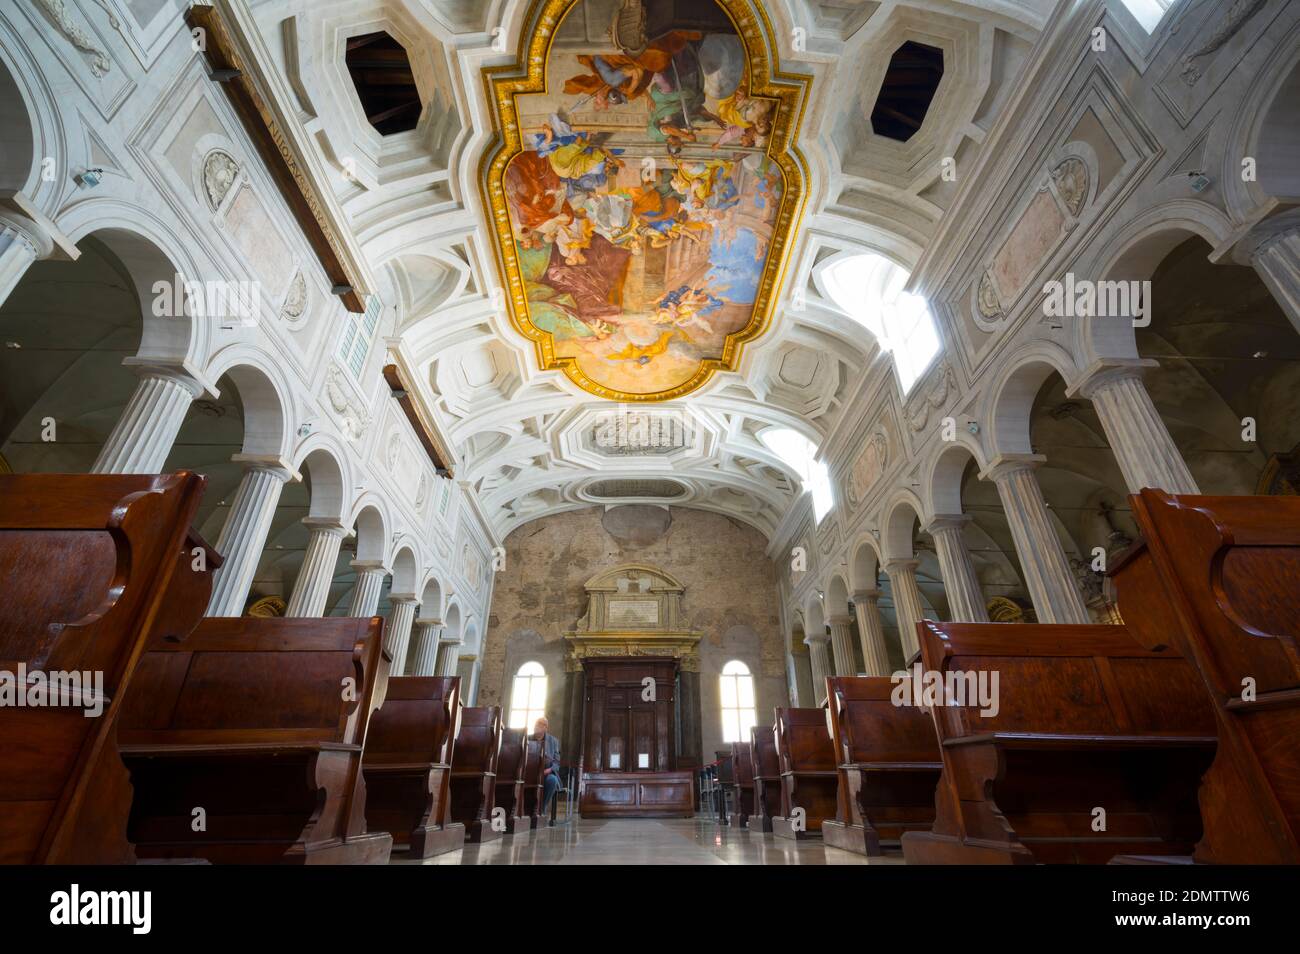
(248, 749)
(1033, 740)
(894, 766)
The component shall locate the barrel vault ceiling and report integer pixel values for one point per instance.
(530, 441)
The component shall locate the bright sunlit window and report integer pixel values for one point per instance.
(869, 288)
(528, 698)
(737, 702)
(801, 454)
(1149, 13)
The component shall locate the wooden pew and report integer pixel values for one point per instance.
(474, 771)
(1217, 577)
(742, 760)
(407, 765)
(889, 765)
(767, 778)
(726, 782)
(1086, 719)
(509, 796)
(533, 783)
(808, 776)
(260, 723)
(86, 563)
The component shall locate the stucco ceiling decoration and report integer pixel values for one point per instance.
(645, 189)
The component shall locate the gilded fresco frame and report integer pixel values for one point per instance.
(504, 83)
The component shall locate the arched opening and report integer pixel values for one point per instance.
(527, 696)
(736, 691)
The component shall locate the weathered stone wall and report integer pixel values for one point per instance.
(730, 598)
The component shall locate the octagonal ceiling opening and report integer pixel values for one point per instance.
(910, 83)
(381, 73)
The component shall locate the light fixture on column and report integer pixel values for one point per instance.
(89, 178)
(1198, 180)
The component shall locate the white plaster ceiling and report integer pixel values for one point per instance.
(413, 202)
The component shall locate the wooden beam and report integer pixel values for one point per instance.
(438, 452)
(276, 152)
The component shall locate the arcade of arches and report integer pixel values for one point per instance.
(756, 412)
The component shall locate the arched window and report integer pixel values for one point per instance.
(869, 289)
(801, 455)
(737, 702)
(528, 699)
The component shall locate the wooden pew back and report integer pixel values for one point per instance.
(808, 770)
(866, 726)
(474, 770)
(1216, 577)
(1064, 679)
(417, 721)
(245, 680)
(86, 565)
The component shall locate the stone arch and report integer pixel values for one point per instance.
(471, 636)
(453, 625)
(406, 568)
(30, 127)
(264, 396)
(943, 476)
(1141, 245)
(837, 596)
(325, 470)
(901, 512)
(158, 265)
(370, 522)
(814, 616)
(431, 600)
(1012, 397)
(864, 564)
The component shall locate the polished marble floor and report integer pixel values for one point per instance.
(637, 841)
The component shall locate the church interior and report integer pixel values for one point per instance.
(637, 432)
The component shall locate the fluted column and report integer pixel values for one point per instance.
(871, 631)
(960, 584)
(1277, 261)
(312, 588)
(1137, 435)
(370, 584)
(821, 664)
(243, 536)
(425, 654)
(26, 236)
(147, 429)
(1046, 570)
(448, 657)
(397, 638)
(907, 602)
(842, 645)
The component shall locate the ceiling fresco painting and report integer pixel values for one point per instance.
(645, 190)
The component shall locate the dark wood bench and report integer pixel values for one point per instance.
(808, 776)
(742, 761)
(407, 765)
(1086, 720)
(86, 565)
(474, 771)
(509, 798)
(767, 778)
(889, 765)
(1219, 578)
(533, 783)
(255, 728)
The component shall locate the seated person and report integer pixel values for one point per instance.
(550, 762)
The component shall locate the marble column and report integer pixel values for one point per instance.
(312, 588)
(422, 659)
(397, 631)
(1137, 435)
(871, 631)
(821, 664)
(1046, 570)
(370, 585)
(27, 236)
(1277, 260)
(842, 645)
(907, 603)
(147, 429)
(448, 658)
(960, 584)
(243, 536)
